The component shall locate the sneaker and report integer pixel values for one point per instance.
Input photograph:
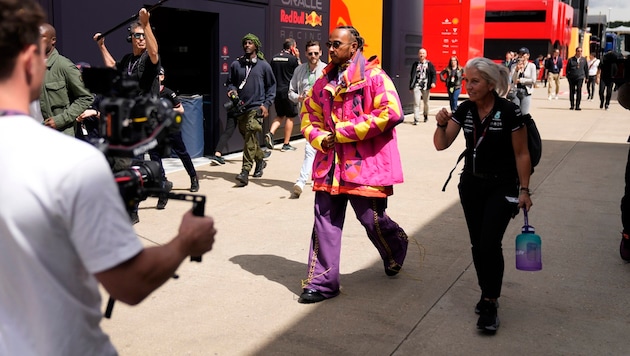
(216, 160)
(555, 97)
(269, 140)
(266, 154)
(480, 303)
(549, 97)
(287, 147)
(624, 247)
(297, 191)
(488, 319)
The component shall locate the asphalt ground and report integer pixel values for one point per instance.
(242, 299)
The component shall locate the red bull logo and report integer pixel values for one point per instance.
(300, 18)
(313, 19)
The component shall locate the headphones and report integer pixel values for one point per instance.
(129, 34)
(247, 61)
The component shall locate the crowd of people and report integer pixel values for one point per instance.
(348, 110)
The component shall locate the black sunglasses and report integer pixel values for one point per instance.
(312, 53)
(335, 44)
(138, 35)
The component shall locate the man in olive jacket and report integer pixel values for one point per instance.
(64, 96)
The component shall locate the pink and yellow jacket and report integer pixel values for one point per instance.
(361, 107)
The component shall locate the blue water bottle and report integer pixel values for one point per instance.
(528, 248)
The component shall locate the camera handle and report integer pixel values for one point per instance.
(199, 207)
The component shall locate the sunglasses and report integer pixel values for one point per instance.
(138, 35)
(335, 44)
(312, 54)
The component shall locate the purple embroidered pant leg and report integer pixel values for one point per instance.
(385, 234)
(323, 265)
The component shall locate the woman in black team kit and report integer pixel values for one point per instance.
(495, 180)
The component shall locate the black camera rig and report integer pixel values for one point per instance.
(235, 106)
(130, 125)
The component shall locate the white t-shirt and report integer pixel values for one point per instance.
(61, 220)
(593, 65)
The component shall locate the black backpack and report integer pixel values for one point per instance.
(534, 144)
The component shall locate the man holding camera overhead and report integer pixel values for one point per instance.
(141, 65)
(251, 89)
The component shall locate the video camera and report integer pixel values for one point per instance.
(235, 106)
(130, 125)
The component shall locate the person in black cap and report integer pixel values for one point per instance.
(522, 80)
(175, 139)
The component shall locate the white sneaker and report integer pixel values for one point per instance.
(297, 191)
(556, 97)
(550, 97)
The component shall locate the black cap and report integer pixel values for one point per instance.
(523, 50)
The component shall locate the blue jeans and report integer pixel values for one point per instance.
(453, 98)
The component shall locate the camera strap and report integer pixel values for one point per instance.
(248, 69)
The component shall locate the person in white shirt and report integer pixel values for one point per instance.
(592, 79)
(66, 229)
(302, 81)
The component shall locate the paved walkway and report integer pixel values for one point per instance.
(242, 299)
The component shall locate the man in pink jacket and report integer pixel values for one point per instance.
(349, 118)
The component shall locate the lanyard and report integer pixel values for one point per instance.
(248, 69)
(131, 67)
(11, 112)
(485, 121)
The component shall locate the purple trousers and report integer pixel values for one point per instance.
(330, 212)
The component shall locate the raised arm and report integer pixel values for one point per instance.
(108, 60)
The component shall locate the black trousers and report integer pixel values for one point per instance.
(605, 92)
(488, 214)
(177, 146)
(230, 126)
(575, 91)
(590, 86)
